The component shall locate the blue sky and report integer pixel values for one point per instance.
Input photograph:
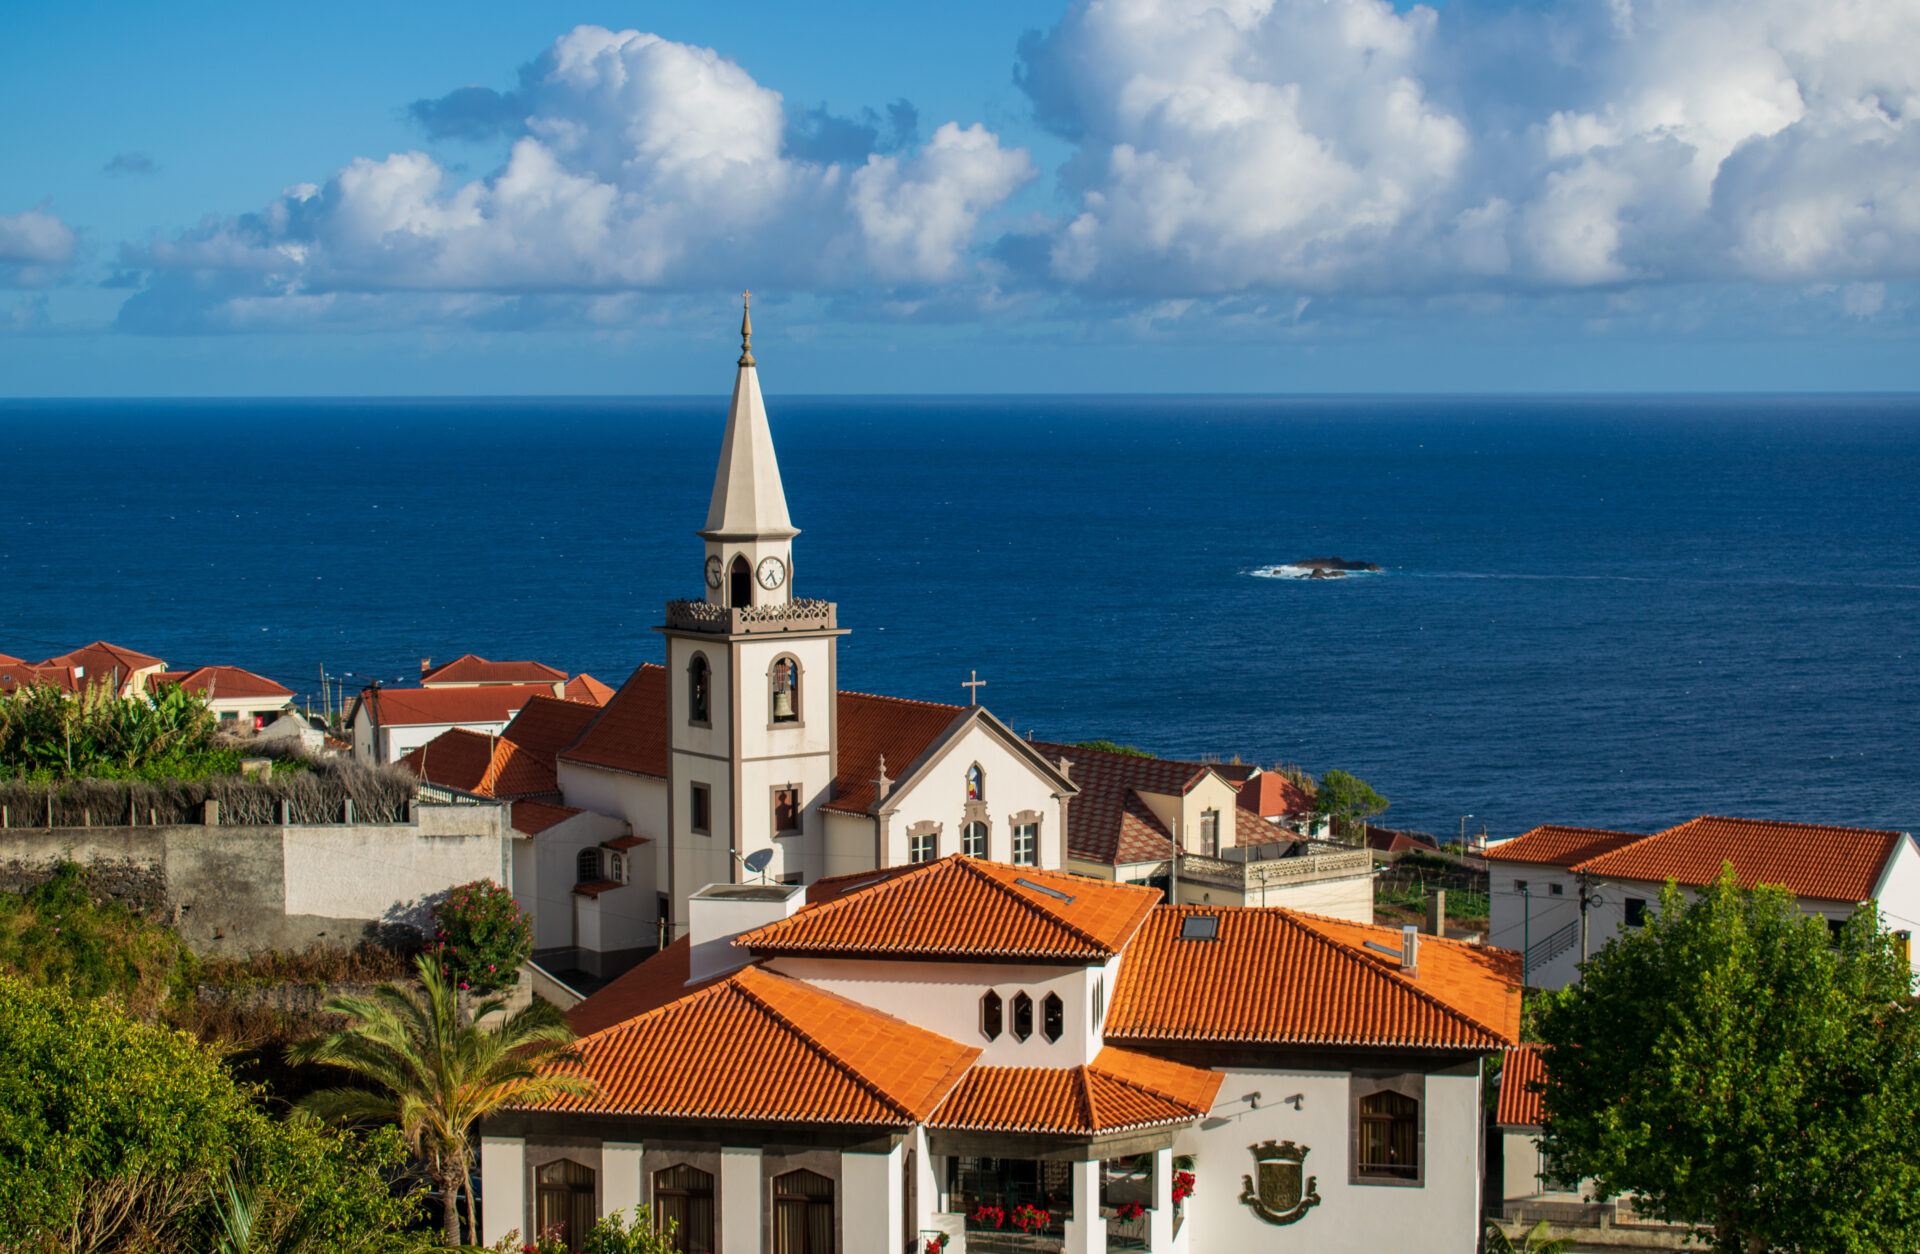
(1130, 195)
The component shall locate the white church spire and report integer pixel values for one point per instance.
(749, 502)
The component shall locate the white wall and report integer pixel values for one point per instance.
(639, 799)
(398, 742)
(550, 863)
(503, 1185)
(944, 997)
(393, 873)
(1439, 1216)
(940, 796)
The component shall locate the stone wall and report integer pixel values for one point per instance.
(231, 891)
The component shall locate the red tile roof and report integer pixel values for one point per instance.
(1119, 1090)
(14, 674)
(534, 817)
(764, 1048)
(873, 726)
(456, 759)
(1553, 845)
(1522, 1073)
(959, 907)
(1281, 977)
(1808, 860)
(470, 668)
(100, 659)
(546, 725)
(1108, 823)
(1389, 841)
(413, 707)
(1272, 795)
(217, 683)
(593, 888)
(587, 690)
(520, 762)
(630, 733)
(647, 987)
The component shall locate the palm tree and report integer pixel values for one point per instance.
(436, 1072)
(1533, 1241)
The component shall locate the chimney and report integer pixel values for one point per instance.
(1409, 950)
(1437, 912)
(426, 664)
(719, 912)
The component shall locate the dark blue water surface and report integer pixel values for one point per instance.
(1606, 612)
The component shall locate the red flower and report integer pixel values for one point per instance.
(1182, 1185)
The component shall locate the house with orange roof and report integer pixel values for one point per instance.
(742, 758)
(388, 723)
(470, 670)
(1132, 814)
(978, 1057)
(245, 702)
(124, 670)
(1559, 893)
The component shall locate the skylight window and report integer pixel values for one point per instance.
(1200, 927)
(1042, 888)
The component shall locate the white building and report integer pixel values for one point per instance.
(743, 747)
(1539, 881)
(888, 1058)
(243, 701)
(388, 723)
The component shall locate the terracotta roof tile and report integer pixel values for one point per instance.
(456, 759)
(630, 732)
(647, 987)
(624, 843)
(413, 707)
(470, 668)
(960, 907)
(15, 675)
(587, 690)
(1119, 1090)
(1553, 845)
(1807, 859)
(1522, 1073)
(1281, 977)
(871, 726)
(514, 772)
(218, 682)
(100, 660)
(534, 817)
(593, 888)
(1272, 795)
(760, 1047)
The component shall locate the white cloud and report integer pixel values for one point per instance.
(35, 247)
(640, 164)
(1340, 145)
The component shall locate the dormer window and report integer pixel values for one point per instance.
(1022, 1016)
(784, 691)
(976, 783)
(699, 691)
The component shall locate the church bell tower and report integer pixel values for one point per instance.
(751, 676)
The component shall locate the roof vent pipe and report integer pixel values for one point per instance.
(1410, 950)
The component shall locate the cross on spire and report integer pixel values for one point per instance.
(746, 328)
(973, 685)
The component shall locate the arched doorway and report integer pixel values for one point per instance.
(740, 584)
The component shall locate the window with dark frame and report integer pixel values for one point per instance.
(1026, 844)
(1557, 890)
(1022, 1016)
(973, 840)
(700, 810)
(802, 1213)
(923, 846)
(683, 1195)
(786, 811)
(563, 1200)
(1636, 911)
(990, 1015)
(1390, 1136)
(1053, 1018)
(586, 867)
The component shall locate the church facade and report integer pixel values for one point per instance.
(740, 759)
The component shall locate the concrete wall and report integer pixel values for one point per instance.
(234, 890)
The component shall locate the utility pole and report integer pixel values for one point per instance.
(1526, 934)
(1463, 831)
(1173, 866)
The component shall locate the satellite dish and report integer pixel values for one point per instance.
(757, 860)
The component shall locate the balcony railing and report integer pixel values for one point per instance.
(1256, 873)
(799, 615)
(1129, 1234)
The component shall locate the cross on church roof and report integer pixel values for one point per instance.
(973, 686)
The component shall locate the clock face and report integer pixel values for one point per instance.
(772, 572)
(713, 571)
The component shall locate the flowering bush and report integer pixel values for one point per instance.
(1029, 1218)
(480, 937)
(989, 1214)
(1182, 1185)
(936, 1243)
(1129, 1210)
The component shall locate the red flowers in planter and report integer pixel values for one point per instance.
(935, 1244)
(1182, 1185)
(1030, 1218)
(1129, 1210)
(989, 1214)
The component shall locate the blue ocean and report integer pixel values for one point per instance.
(1608, 612)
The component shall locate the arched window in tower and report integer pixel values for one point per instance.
(976, 783)
(784, 688)
(699, 689)
(740, 584)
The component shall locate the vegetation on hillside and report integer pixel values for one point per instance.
(1737, 1068)
(1109, 746)
(47, 734)
(1348, 800)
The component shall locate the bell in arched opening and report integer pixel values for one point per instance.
(786, 683)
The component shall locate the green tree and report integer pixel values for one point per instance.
(1110, 746)
(429, 1070)
(116, 1135)
(1533, 1241)
(1347, 800)
(1738, 1069)
(481, 937)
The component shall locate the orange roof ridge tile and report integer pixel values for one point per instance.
(1136, 1059)
(827, 1055)
(1376, 964)
(880, 696)
(1010, 890)
(713, 989)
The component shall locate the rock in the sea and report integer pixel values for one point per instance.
(1321, 572)
(1332, 564)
